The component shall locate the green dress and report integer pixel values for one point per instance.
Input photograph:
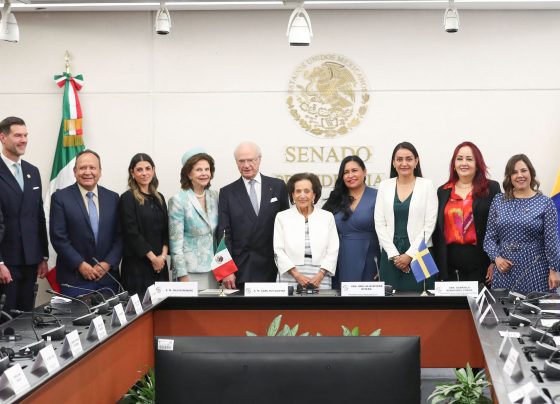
(390, 274)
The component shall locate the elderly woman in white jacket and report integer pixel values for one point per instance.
(305, 238)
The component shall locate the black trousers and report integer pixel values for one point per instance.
(466, 262)
(19, 292)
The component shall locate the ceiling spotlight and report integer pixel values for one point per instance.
(9, 30)
(299, 30)
(163, 20)
(451, 18)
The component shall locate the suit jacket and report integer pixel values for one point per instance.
(1, 224)
(192, 232)
(481, 207)
(72, 236)
(25, 232)
(421, 215)
(248, 236)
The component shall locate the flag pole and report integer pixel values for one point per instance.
(424, 293)
(222, 293)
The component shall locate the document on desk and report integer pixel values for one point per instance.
(217, 292)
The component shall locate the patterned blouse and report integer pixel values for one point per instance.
(459, 221)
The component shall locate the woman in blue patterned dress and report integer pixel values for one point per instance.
(522, 234)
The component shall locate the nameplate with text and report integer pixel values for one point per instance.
(134, 305)
(151, 297)
(267, 289)
(46, 359)
(97, 330)
(14, 379)
(511, 362)
(362, 289)
(119, 317)
(462, 288)
(177, 289)
(72, 344)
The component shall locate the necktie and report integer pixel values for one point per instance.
(93, 217)
(253, 196)
(18, 175)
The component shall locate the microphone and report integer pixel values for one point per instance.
(82, 320)
(55, 334)
(38, 320)
(2, 312)
(388, 288)
(123, 295)
(102, 307)
(457, 274)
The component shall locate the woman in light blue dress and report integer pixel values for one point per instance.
(352, 202)
(522, 233)
(193, 218)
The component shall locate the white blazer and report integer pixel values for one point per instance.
(422, 215)
(289, 239)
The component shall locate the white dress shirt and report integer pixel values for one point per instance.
(258, 187)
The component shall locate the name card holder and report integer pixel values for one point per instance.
(119, 317)
(151, 297)
(511, 364)
(456, 288)
(176, 289)
(362, 289)
(485, 315)
(46, 361)
(134, 306)
(14, 381)
(72, 346)
(266, 289)
(97, 330)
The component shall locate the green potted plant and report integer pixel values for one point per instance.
(467, 389)
(144, 391)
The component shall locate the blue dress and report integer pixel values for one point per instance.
(524, 231)
(358, 253)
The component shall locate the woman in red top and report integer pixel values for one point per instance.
(464, 202)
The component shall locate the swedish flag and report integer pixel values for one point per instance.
(423, 265)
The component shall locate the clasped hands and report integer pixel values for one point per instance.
(95, 272)
(402, 262)
(304, 280)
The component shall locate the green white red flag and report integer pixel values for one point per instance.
(70, 143)
(222, 264)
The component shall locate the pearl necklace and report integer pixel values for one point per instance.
(199, 195)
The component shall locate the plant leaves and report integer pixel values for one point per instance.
(376, 333)
(345, 331)
(274, 325)
(250, 334)
(356, 331)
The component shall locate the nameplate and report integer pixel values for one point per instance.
(485, 314)
(177, 289)
(485, 292)
(511, 361)
(72, 344)
(504, 341)
(463, 288)
(14, 379)
(480, 304)
(362, 288)
(134, 305)
(266, 289)
(548, 322)
(151, 296)
(522, 393)
(165, 344)
(46, 359)
(119, 317)
(97, 330)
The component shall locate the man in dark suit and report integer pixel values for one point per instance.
(85, 230)
(24, 248)
(246, 212)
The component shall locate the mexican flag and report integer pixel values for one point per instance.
(222, 264)
(70, 143)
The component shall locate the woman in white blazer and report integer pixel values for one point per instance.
(305, 238)
(405, 214)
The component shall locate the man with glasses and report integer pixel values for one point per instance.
(246, 212)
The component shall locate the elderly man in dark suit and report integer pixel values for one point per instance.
(85, 230)
(246, 212)
(24, 248)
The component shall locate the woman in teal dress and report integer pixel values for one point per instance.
(405, 214)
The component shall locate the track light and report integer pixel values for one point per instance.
(451, 18)
(163, 20)
(299, 30)
(9, 30)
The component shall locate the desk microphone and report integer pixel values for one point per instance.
(457, 274)
(388, 288)
(101, 307)
(123, 294)
(82, 320)
(2, 312)
(55, 334)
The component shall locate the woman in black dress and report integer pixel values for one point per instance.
(143, 215)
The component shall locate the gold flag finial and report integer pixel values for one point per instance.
(67, 61)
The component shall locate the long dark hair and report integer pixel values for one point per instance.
(408, 146)
(340, 199)
(480, 180)
(133, 185)
(510, 166)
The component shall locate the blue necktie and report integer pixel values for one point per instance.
(18, 175)
(253, 196)
(93, 217)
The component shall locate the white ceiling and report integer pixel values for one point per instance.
(143, 5)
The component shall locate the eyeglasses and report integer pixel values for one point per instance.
(247, 161)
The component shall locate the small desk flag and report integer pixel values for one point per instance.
(222, 264)
(423, 265)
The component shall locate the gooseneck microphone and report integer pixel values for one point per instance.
(54, 334)
(82, 320)
(123, 294)
(101, 307)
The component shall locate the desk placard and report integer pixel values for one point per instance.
(46, 359)
(97, 330)
(266, 289)
(72, 344)
(14, 379)
(151, 296)
(480, 306)
(134, 305)
(522, 392)
(362, 289)
(118, 318)
(504, 340)
(484, 291)
(485, 314)
(457, 288)
(511, 361)
(176, 289)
